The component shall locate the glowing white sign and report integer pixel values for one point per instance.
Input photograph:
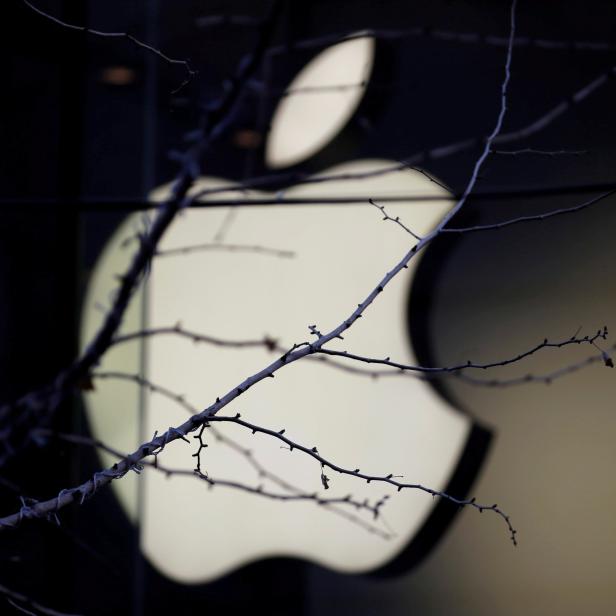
(391, 425)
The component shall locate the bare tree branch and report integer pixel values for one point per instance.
(239, 248)
(177, 330)
(467, 38)
(534, 152)
(435, 153)
(548, 378)
(215, 21)
(292, 493)
(26, 604)
(133, 39)
(216, 121)
(396, 220)
(157, 444)
(601, 334)
(389, 479)
(550, 117)
(531, 218)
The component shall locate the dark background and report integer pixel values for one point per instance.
(77, 152)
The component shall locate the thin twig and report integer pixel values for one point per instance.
(553, 114)
(435, 153)
(365, 505)
(531, 218)
(133, 39)
(471, 38)
(534, 152)
(293, 493)
(546, 379)
(388, 479)
(159, 442)
(246, 453)
(396, 220)
(601, 334)
(241, 248)
(39, 405)
(23, 602)
(215, 21)
(177, 330)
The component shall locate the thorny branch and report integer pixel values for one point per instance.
(265, 473)
(472, 38)
(431, 154)
(313, 452)
(426, 31)
(181, 401)
(158, 443)
(292, 493)
(546, 379)
(25, 604)
(190, 72)
(177, 330)
(205, 418)
(40, 405)
(534, 152)
(388, 479)
(574, 340)
(324, 356)
(216, 247)
(238, 248)
(532, 218)
(396, 220)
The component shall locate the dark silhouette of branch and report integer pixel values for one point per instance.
(341, 87)
(550, 117)
(263, 472)
(281, 496)
(151, 386)
(215, 21)
(396, 220)
(426, 31)
(388, 479)
(547, 378)
(27, 605)
(436, 153)
(190, 72)
(373, 508)
(574, 340)
(216, 121)
(225, 225)
(214, 247)
(398, 369)
(267, 343)
(531, 218)
(159, 442)
(178, 330)
(292, 493)
(41, 404)
(534, 152)
(429, 177)
(470, 38)
(132, 205)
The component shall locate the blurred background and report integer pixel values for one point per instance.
(87, 128)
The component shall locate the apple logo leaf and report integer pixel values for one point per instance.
(319, 101)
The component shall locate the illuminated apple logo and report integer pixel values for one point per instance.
(394, 425)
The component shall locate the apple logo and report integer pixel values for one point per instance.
(398, 424)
